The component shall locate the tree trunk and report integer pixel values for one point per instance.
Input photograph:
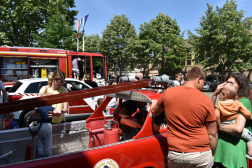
(223, 71)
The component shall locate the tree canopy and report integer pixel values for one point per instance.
(224, 39)
(117, 41)
(162, 43)
(22, 20)
(92, 43)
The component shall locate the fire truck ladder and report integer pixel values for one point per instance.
(70, 96)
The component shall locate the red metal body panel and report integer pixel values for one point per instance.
(79, 106)
(136, 153)
(69, 66)
(19, 51)
(91, 68)
(63, 97)
(62, 65)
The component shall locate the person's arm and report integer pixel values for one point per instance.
(217, 92)
(237, 127)
(65, 109)
(245, 112)
(156, 109)
(217, 113)
(212, 134)
(5, 95)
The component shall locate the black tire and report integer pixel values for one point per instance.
(210, 89)
(24, 118)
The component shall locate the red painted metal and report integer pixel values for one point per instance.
(62, 65)
(79, 106)
(73, 96)
(113, 135)
(69, 66)
(91, 68)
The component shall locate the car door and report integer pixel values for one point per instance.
(83, 106)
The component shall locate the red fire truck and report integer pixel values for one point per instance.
(22, 62)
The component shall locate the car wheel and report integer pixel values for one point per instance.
(24, 120)
(210, 89)
(170, 85)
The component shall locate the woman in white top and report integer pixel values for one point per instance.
(114, 101)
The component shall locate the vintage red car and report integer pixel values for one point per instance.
(147, 147)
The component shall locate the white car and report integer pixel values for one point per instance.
(29, 88)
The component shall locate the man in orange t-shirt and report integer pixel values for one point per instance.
(191, 123)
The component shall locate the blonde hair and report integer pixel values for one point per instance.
(55, 74)
(230, 90)
(10, 115)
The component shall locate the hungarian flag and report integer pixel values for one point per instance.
(81, 22)
(79, 27)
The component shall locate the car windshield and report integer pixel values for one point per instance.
(15, 87)
(209, 78)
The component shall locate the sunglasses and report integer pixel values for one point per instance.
(59, 81)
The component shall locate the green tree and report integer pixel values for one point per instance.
(21, 19)
(162, 43)
(56, 34)
(117, 40)
(92, 43)
(225, 38)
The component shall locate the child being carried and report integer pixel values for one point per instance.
(227, 110)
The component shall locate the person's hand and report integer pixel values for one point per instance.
(218, 89)
(54, 113)
(135, 121)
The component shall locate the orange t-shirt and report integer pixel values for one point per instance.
(230, 110)
(187, 109)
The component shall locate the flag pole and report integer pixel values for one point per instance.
(83, 42)
(78, 44)
(83, 33)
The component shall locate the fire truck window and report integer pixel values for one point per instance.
(32, 88)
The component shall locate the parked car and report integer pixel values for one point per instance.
(211, 82)
(29, 88)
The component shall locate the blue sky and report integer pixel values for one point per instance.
(186, 12)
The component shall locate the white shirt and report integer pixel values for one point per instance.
(176, 83)
(113, 102)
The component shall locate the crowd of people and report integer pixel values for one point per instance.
(202, 134)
